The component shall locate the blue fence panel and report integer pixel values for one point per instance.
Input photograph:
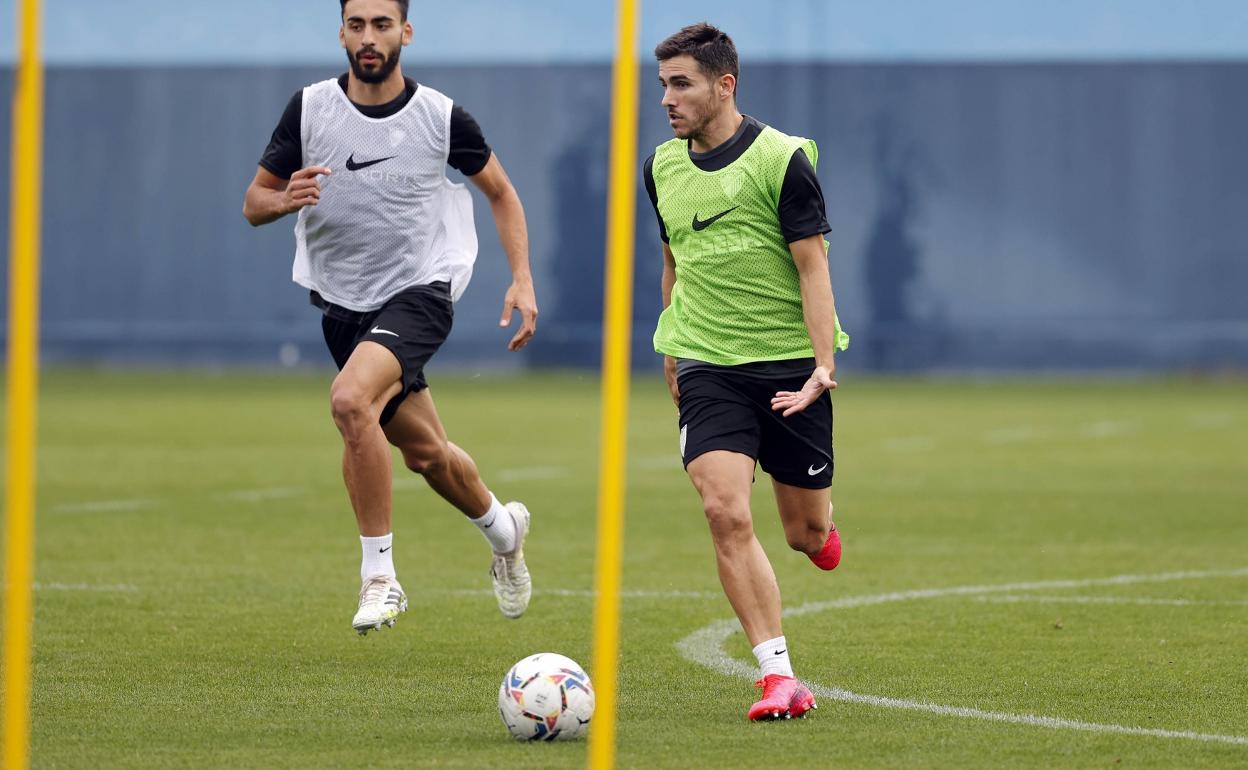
(1020, 216)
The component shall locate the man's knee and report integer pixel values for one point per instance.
(807, 538)
(728, 517)
(429, 459)
(807, 533)
(351, 407)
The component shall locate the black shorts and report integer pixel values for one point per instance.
(412, 325)
(729, 408)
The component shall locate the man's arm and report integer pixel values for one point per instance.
(269, 197)
(508, 213)
(669, 280)
(819, 310)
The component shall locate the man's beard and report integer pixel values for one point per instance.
(696, 123)
(379, 75)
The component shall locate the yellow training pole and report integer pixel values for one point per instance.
(617, 337)
(23, 366)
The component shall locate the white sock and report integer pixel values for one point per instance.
(378, 556)
(498, 526)
(773, 657)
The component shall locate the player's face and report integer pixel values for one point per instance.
(688, 95)
(373, 34)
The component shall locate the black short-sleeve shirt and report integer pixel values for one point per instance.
(284, 155)
(801, 209)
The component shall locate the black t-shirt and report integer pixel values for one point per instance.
(801, 209)
(284, 155)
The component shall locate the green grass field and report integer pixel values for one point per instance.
(197, 568)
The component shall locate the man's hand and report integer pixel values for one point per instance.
(669, 374)
(520, 297)
(270, 197)
(304, 189)
(795, 401)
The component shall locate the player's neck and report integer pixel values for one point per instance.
(717, 131)
(376, 93)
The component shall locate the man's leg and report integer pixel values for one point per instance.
(417, 431)
(723, 479)
(370, 378)
(807, 518)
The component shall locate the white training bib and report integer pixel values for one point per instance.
(388, 218)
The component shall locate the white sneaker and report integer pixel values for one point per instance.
(381, 601)
(512, 585)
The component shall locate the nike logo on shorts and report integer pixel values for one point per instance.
(379, 330)
(813, 471)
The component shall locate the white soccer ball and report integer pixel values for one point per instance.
(546, 697)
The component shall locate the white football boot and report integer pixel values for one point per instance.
(381, 601)
(512, 585)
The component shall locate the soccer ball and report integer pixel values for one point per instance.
(546, 697)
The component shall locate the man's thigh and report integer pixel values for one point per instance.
(723, 480)
(802, 506)
(416, 426)
(371, 372)
(413, 324)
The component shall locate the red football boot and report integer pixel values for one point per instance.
(778, 693)
(803, 701)
(830, 555)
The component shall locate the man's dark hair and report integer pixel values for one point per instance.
(403, 4)
(711, 48)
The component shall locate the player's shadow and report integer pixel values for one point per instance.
(898, 340)
(573, 337)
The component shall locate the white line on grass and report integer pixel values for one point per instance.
(262, 495)
(102, 506)
(116, 588)
(589, 594)
(1211, 420)
(706, 648)
(1141, 600)
(1107, 429)
(542, 473)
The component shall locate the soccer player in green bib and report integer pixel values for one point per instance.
(749, 333)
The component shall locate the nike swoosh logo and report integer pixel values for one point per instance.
(379, 330)
(353, 166)
(702, 224)
(812, 470)
(781, 652)
(487, 526)
(387, 548)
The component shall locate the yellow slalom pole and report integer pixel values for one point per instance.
(617, 337)
(23, 364)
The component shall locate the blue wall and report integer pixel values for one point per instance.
(241, 32)
(985, 215)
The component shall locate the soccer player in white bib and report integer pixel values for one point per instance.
(385, 243)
